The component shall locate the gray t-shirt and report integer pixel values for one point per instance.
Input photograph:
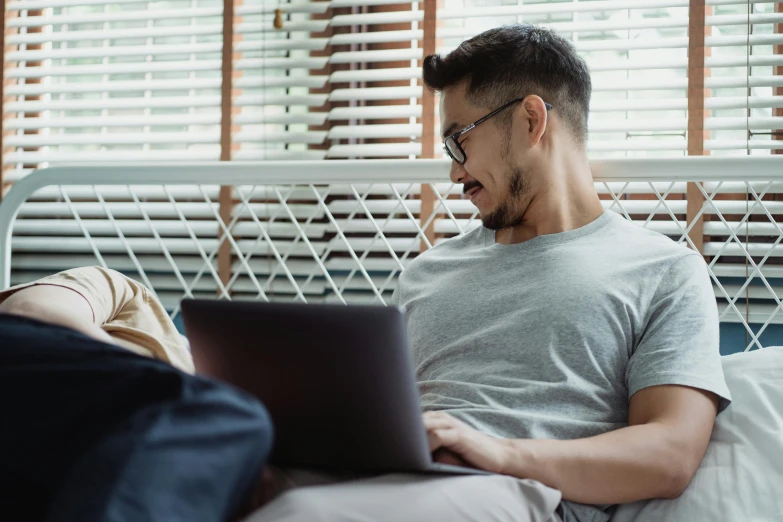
(549, 338)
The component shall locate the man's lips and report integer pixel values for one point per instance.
(472, 191)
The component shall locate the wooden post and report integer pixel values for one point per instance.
(428, 131)
(778, 71)
(226, 200)
(2, 103)
(5, 82)
(697, 93)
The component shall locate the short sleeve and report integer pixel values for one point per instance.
(126, 310)
(680, 341)
(395, 297)
(102, 298)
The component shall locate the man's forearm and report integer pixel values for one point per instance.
(655, 456)
(629, 464)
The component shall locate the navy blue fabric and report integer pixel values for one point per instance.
(89, 431)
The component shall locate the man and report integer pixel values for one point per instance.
(558, 346)
(558, 342)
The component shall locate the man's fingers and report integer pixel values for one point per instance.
(437, 424)
(443, 438)
(445, 456)
(438, 420)
(434, 441)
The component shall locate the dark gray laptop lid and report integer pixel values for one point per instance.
(337, 380)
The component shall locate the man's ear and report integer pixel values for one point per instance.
(534, 111)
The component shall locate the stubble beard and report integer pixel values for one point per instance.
(508, 213)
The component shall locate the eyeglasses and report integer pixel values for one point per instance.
(453, 147)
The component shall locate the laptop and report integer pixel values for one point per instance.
(337, 380)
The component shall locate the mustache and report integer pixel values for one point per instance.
(467, 187)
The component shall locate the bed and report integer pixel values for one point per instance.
(342, 231)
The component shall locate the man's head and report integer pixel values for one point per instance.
(509, 156)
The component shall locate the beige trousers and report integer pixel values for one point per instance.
(315, 497)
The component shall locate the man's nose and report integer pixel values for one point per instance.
(457, 173)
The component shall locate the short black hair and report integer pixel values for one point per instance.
(513, 61)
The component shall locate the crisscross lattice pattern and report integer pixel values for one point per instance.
(348, 242)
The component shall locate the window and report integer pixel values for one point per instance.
(120, 80)
(129, 80)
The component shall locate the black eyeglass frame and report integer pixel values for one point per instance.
(453, 138)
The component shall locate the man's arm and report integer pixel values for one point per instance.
(56, 305)
(655, 456)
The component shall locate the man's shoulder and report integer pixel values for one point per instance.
(643, 240)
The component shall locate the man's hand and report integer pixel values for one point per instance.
(452, 441)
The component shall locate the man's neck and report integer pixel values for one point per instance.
(568, 203)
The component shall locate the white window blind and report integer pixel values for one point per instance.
(744, 110)
(338, 80)
(744, 119)
(125, 80)
(111, 81)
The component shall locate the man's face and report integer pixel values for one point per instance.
(494, 174)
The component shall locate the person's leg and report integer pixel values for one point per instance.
(416, 498)
(93, 432)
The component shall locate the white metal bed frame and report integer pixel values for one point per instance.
(756, 176)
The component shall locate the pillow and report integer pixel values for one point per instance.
(741, 476)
